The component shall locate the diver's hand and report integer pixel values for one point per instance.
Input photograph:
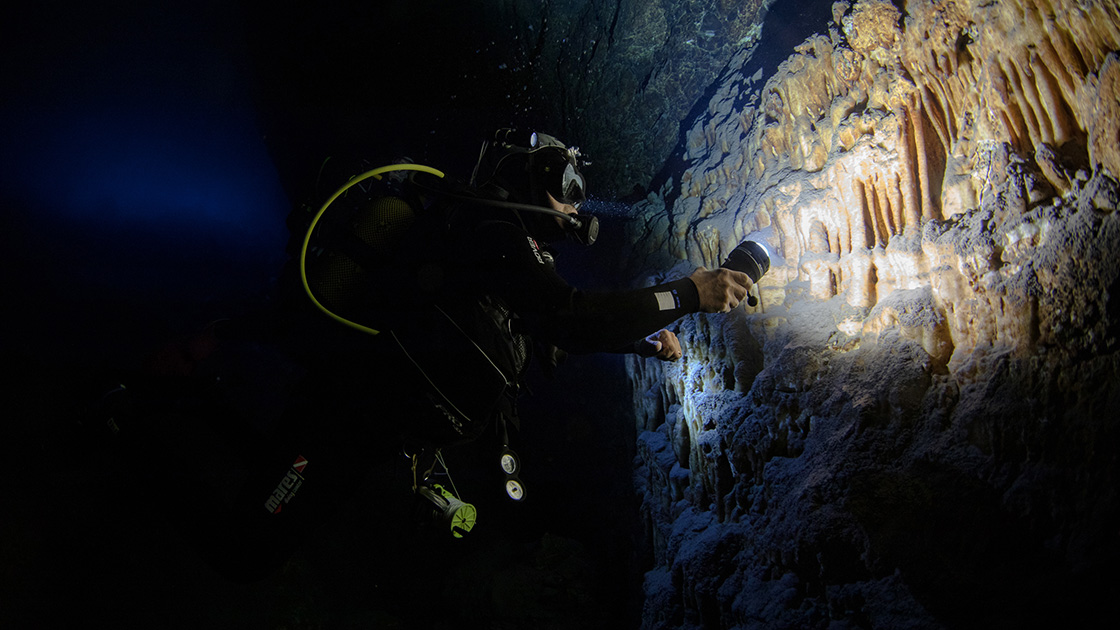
(720, 289)
(662, 344)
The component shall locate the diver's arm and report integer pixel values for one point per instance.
(630, 312)
(517, 269)
(719, 291)
(607, 321)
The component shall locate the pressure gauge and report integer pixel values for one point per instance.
(515, 489)
(511, 465)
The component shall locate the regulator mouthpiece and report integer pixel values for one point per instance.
(752, 259)
(584, 228)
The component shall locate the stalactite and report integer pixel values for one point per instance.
(1059, 68)
(834, 242)
(934, 104)
(898, 211)
(908, 166)
(870, 214)
(992, 105)
(872, 295)
(1019, 105)
(1030, 90)
(890, 227)
(844, 234)
(1056, 105)
(920, 144)
(952, 105)
(865, 230)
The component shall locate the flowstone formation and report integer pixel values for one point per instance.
(916, 427)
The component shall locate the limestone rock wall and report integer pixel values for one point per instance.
(619, 75)
(916, 426)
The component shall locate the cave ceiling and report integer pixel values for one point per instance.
(616, 78)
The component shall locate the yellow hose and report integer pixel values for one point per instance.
(375, 173)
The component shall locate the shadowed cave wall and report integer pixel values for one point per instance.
(915, 427)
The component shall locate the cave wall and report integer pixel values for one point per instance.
(916, 426)
(619, 76)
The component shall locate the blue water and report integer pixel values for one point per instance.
(140, 119)
(133, 173)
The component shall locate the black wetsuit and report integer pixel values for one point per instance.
(495, 296)
(300, 408)
(514, 266)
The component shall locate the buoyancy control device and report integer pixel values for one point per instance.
(249, 439)
(370, 259)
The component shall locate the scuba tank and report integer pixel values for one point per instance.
(246, 479)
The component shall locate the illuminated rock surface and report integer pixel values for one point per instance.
(916, 427)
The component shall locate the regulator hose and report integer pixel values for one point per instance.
(375, 173)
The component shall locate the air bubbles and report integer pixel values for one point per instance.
(606, 208)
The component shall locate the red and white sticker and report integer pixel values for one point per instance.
(288, 486)
(536, 249)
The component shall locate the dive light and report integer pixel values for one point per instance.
(450, 511)
(751, 258)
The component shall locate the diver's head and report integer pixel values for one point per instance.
(529, 168)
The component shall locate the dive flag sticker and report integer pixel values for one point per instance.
(288, 486)
(300, 464)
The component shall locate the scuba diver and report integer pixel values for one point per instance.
(410, 311)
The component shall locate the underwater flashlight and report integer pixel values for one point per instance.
(458, 516)
(752, 259)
